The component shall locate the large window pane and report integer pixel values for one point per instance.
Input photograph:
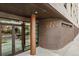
(6, 39)
(27, 34)
(27, 46)
(18, 40)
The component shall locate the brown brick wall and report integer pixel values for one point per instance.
(55, 33)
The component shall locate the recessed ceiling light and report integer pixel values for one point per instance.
(36, 12)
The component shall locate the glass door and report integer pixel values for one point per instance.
(18, 39)
(27, 36)
(6, 39)
(11, 39)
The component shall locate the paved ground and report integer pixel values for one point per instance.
(72, 49)
(7, 46)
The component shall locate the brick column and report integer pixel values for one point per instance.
(33, 35)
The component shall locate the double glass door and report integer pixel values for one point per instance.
(10, 39)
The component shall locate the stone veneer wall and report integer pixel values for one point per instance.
(55, 33)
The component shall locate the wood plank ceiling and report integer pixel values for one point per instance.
(26, 9)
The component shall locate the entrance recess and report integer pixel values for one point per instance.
(15, 37)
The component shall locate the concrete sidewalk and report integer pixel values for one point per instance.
(72, 49)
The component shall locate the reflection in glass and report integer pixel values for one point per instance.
(27, 36)
(27, 29)
(6, 40)
(18, 41)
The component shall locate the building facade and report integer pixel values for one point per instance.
(48, 25)
(68, 10)
(57, 31)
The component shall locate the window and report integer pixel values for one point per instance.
(65, 5)
(11, 36)
(66, 25)
(71, 8)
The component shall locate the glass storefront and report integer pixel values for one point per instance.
(18, 41)
(27, 36)
(11, 36)
(6, 39)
